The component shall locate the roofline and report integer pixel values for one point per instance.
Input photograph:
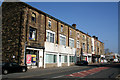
(47, 15)
(53, 18)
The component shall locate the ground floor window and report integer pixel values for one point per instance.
(50, 58)
(65, 58)
(85, 58)
(32, 57)
(71, 58)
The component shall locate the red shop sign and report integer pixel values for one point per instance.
(28, 59)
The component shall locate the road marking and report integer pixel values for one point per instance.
(58, 76)
(88, 72)
(46, 73)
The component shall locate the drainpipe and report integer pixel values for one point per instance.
(25, 53)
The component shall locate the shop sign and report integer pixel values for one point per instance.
(33, 58)
(28, 59)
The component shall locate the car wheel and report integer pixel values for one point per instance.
(23, 70)
(5, 72)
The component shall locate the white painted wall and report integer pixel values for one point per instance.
(51, 47)
(41, 58)
(92, 39)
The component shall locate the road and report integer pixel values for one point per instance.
(90, 71)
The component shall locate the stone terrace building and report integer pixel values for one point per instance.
(32, 37)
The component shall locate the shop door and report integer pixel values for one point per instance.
(41, 58)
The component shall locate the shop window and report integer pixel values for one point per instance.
(33, 17)
(65, 58)
(50, 58)
(49, 23)
(71, 58)
(55, 58)
(32, 33)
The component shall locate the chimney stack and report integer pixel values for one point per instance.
(74, 25)
(95, 37)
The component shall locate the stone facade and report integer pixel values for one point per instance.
(17, 21)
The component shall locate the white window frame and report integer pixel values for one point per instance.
(70, 32)
(50, 22)
(83, 47)
(73, 42)
(78, 34)
(49, 35)
(61, 28)
(64, 37)
(78, 44)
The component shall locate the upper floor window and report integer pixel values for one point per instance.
(71, 42)
(32, 33)
(70, 32)
(88, 39)
(50, 36)
(62, 40)
(98, 43)
(98, 50)
(61, 28)
(78, 35)
(78, 44)
(83, 37)
(88, 47)
(49, 23)
(83, 46)
(33, 17)
(92, 48)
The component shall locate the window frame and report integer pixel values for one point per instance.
(60, 35)
(83, 47)
(33, 17)
(78, 44)
(73, 42)
(61, 28)
(70, 32)
(32, 33)
(49, 35)
(50, 23)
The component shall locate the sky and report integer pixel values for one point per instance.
(95, 18)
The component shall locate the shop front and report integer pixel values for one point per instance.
(34, 57)
(84, 57)
(89, 58)
(95, 58)
(102, 58)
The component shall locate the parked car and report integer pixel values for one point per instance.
(12, 67)
(82, 63)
